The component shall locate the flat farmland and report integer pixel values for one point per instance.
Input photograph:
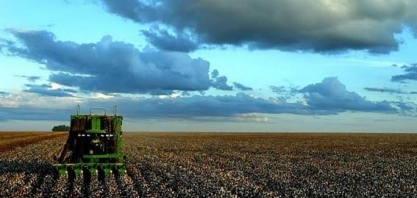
(221, 165)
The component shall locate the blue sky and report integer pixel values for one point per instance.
(204, 65)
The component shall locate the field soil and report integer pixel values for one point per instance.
(221, 165)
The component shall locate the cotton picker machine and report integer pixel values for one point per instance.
(94, 145)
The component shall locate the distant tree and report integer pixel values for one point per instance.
(61, 128)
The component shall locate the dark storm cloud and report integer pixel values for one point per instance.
(330, 94)
(47, 91)
(311, 25)
(241, 87)
(410, 73)
(111, 66)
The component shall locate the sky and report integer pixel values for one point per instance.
(211, 65)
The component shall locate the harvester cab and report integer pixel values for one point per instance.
(94, 144)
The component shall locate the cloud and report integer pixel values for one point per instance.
(331, 95)
(30, 78)
(241, 87)
(212, 106)
(385, 90)
(115, 67)
(251, 117)
(31, 106)
(220, 82)
(410, 73)
(277, 89)
(167, 41)
(30, 113)
(308, 25)
(47, 90)
(405, 108)
(328, 97)
(4, 43)
(190, 107)
(285, 92)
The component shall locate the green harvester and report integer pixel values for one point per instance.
(94, 145)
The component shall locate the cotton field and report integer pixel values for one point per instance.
(220, 165)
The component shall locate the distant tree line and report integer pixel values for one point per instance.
(61, 128)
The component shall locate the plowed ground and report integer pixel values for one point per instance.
(221, 165)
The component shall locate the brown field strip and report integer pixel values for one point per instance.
(11, 140)
(7, 136)
(12, 134)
